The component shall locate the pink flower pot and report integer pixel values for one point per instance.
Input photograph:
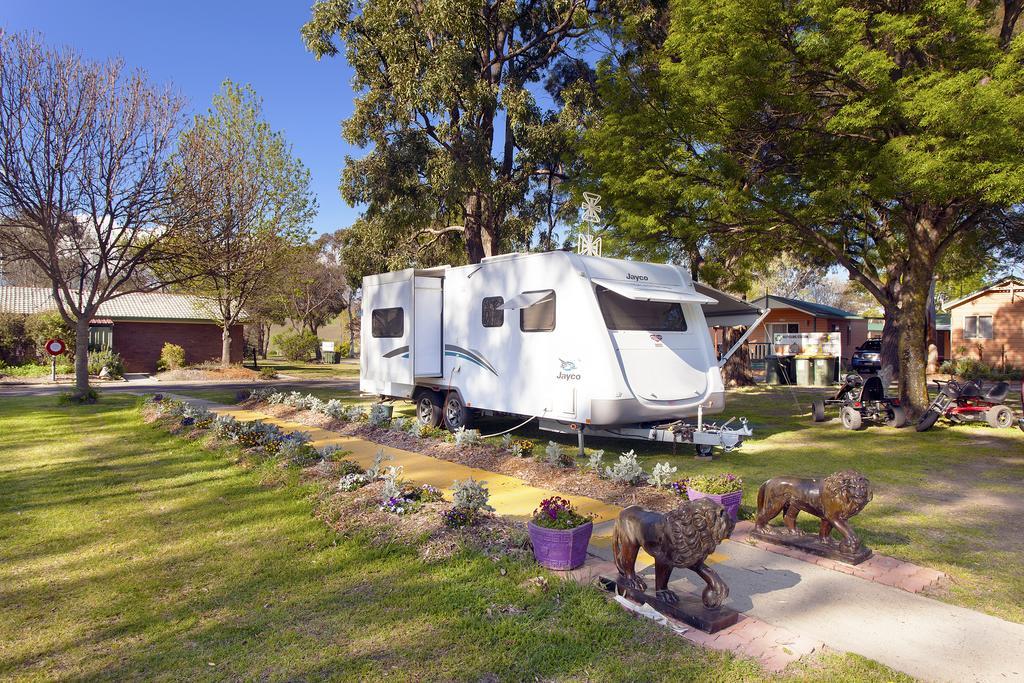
(560, 548)
(730, 501)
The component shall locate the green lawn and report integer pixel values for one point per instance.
(348, 368)
(132, 554)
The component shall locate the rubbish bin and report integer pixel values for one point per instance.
(328, 356)
(804, 372)
(823, 368)
(779, 369)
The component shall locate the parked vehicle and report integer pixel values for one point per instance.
(867, 357)
(961, 402)
(583, 344)
(862, 399)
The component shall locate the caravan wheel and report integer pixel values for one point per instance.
(428, 409)
(456, 415)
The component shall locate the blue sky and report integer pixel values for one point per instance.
(196, 45)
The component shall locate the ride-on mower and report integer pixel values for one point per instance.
(859, 400)
(961, 402)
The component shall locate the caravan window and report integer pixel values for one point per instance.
(491, 312)
(540, 317)
(388, 322)
(622, 313)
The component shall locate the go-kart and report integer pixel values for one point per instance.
(961, 402)
(861, 399)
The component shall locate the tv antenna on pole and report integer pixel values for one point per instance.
(586, 242)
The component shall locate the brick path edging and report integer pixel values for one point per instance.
(878, 568)
(772, 646)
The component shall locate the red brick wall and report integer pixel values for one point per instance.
(139, 343)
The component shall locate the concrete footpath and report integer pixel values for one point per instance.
(800, 600)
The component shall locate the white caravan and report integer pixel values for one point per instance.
(582, 343)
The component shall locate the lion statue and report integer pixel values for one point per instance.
(834, 499)
(683, 537)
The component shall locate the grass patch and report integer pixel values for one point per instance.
(131, 553)
(346, 369)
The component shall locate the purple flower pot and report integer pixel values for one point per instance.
(730, 501)
(560, 548)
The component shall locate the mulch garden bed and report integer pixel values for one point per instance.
(565, 480)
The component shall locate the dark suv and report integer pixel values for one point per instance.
(868, 356)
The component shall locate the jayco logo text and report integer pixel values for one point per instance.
(638, 278)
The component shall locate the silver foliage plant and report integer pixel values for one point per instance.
(471, 495)
(627, 470)
(661, 475)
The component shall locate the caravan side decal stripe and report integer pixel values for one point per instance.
(472, 357)
(397, 352)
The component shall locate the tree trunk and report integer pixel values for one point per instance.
(82, 355)
(351, 328)
(225, 349)
(890, 356)
(912, 334)
(737, 371)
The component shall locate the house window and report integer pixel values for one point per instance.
(978, 327)
(621, 313)
(540, 317)
(782, 328)
(101, 338)
(388, 322)
(491, 312)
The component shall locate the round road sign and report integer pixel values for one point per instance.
(55, 347)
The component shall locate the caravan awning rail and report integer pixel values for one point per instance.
(640, 292)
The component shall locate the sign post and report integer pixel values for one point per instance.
(54, 347)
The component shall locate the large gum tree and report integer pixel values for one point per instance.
(872, 134)
(457, 138)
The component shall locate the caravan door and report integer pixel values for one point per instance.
(387, 333)
(428, 353)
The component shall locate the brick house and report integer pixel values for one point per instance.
(988, 324)
(795, 316)
(136, 326)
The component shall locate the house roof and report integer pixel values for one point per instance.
(1008, 283)
(808, 307)
(730, 311)
(139, 306)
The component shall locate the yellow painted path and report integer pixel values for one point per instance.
(510, 497)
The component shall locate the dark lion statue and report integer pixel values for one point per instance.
(834, 499)
(683, 537)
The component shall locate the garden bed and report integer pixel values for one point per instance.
(211, 372)
(571, 480)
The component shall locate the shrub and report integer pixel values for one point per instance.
(106, 359)
(471, 496)
(172, 357)
(41, 327)
(376, 470)
(717, 484)
(380, 415)
(554, 455)
(225, 426)
(557, 513)
(334, 408)
(199, 417)
(522, 448)
(343, 349)
(399, 424)
(594, 461)
(297, 452)
(661, 475)
(348, 467)
(392, 482)
(268, 373)
(627, 470)
(16, 346)
(353, 481)
(78, 398)
(465, 438)
(297, 345)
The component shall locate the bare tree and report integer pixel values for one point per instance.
(239, 200)
(82, 175)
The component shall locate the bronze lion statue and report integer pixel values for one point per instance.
(683, 537)
(834, 499)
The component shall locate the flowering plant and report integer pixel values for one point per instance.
(716, 484)
(353, 481)
(398, 506)
(456, 518)
(557, 513)
(525, 447)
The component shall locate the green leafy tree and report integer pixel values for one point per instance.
(872, 135)
(240, 201)
(456, 135)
